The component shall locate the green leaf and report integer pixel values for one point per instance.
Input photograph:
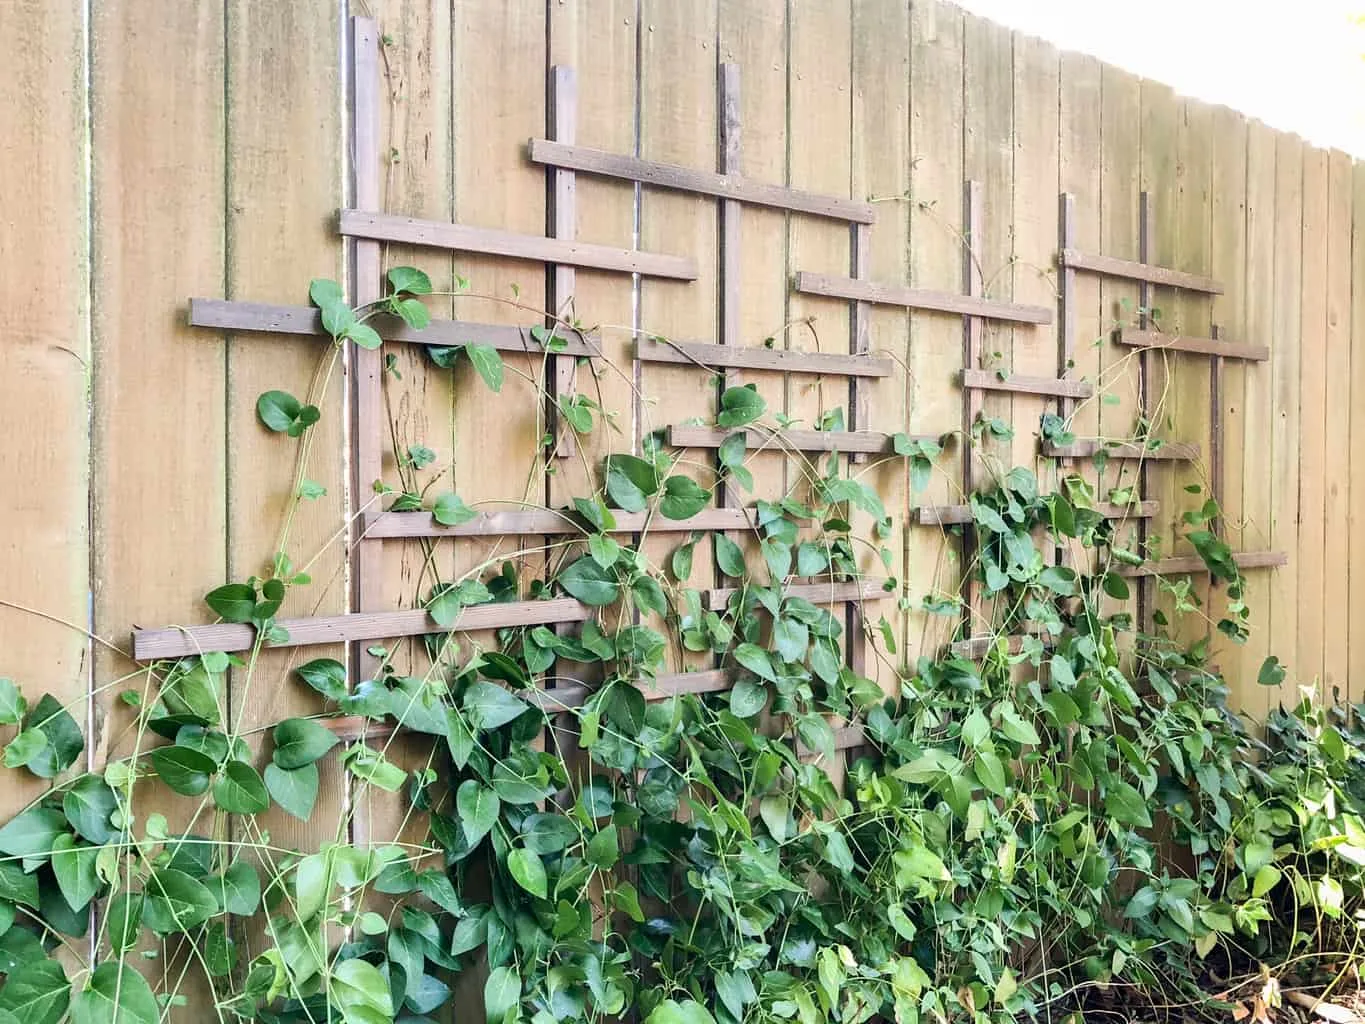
(1266, 879)
(175, 902)
(490, 706)
(604, 849)
(37, 992)
(300, 742)
(732, 450)
(683, 498)
(528, 870)
(123, 920)
(183, 769)
(740, 406)
(597, 514)
(284, 414)
(74, 866)
(792, 639)
(326, 675)
(501, 995)
(604, 550)
(364, 335)
(586, 580)
(685, 1012)
(12, 703)
(989, 771)
(324, 293)
(1125, 804)
(450, 510)
(239, 790)
(238, 889)
(27, 745)
(413, 312)
(65, 741)
(631, 481)
(729, 556)
(478, 808)
(1272, 672)
(489, 364)
(31, 833)
(577, 414)
(681, 561)
(410, 280)
(747, 698)
(17, 886)
(296, 791)
(361, 992)
(88, 804)
(756, 660)
(775, 810)
(233, 602)
(375, 768)
(1115, 586)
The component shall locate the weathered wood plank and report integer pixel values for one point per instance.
(1199, 346)
(870, 441)
(1132, 270)
(951, 515)
(1193, 564)
(919, 298)
(990, 380)
(979, 646)
(734, 187)
(227, 315)
(1340, 421)
(816, 593)
(154, 644)
(551, 523)
(1121, 450)
(384, 227)
(782, 360)
(1355, 644)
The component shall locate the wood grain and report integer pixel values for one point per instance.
(384, 227)
(1194, 564)
(1132, 270)
(816, 593)
(1201, 346)
(919, 298)
(1121, 450)
(732, 187)
(545, 522)
(780, 360)
(990, 380)
(950, 515)
(870, 441)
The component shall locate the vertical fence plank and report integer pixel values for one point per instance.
(753, 34)
(881, 172)
(283, 133)
(1034, 232)
(1228, 264)
(44, 556)
(157, 225)
(1355, 644)
(1312, 423)
(1339, 423)
(988, 160)
(934, 349)
(1257, 457)
(1284, 404)
(678, 125)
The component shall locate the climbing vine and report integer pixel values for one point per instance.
(1013, 833)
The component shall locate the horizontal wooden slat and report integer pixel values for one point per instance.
(1109, 266)
(151, 644)
(1195, 564)
(950, 515)
(1199, 346)
(385, 227)
(919, 298)
(539, 522)
(552, 701)
(707, 183)
(258, 316)
(870, 441)
(845, 738)
(989, 380)
(708, 357)
(1121, 450)
(980, 646)
(815, 593)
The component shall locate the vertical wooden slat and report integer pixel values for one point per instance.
(1356, 565)
(157, 237)
(973, 401)
(753, 35)
(881, 168)
(1228, 265)
(729, 122)
(1339, 419)
(934, 349)
(678, 125)
(1258, 413)
(44, 556)
(562, 111)
(1033, 231)
(1312, 422)
(1285, 355)
(284, 152)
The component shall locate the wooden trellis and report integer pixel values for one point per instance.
(563, 252)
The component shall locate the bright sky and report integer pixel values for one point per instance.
(1298, 66)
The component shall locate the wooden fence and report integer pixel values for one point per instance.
(172, 150)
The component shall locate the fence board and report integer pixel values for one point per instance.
(1338, 420)
(1312, 417)
(44, 558)
(1355, 645)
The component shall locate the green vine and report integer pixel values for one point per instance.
(1012, 835)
